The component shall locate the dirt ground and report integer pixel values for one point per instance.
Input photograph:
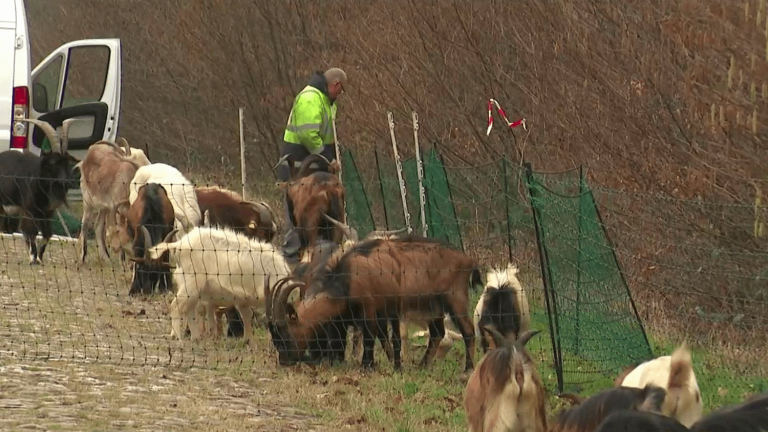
(63, 396)
(77, 353)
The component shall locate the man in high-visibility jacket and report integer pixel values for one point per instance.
(310, 131)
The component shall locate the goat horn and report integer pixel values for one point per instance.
(109, 143)
(350, 232)
(64, 143)
(49, 131)
(147, 241)
(124, 143)
(279, 162)
(500, 340)
(170, 235)
(324, 158)
(281, 283)
(524, 338)
(309, 160)
(282, 300)
(387, 233)
(264, 213)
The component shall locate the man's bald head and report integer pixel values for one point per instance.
(336, 79)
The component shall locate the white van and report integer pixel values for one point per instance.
(79, 79)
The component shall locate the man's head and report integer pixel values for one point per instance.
(336, 79)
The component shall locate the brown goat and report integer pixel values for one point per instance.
(228, 209)
(589, 413)
(106, 172)
(374, 281)
(505, 392)
(150, 221)
(310, 194)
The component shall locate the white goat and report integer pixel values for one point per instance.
(219, 268)
(181, 193)
(675, 374)
(503, 305)
(106, 172)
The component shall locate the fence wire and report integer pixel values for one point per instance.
(694, 270)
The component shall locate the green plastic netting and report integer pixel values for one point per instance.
(594, 326)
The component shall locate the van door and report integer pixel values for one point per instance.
(82, 80)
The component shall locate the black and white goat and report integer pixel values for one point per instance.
(503, 306)
(33, 187)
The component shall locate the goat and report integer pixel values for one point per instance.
(589, 413)
(34, 187)
(505, 392)
(106, 172)
(377, 281)
(150, 220)
(353, 238)
(309, 194)
(228, 209)
(675, 374)
(749, 416)
(219, 268)
(180, 191)
(503, 305)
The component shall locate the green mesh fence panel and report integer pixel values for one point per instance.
(358, 208)
(594, 325)
(441, 222)
(390, 192)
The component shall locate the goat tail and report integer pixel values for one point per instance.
(476, 280)
(680, 368)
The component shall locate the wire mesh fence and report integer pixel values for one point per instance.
(599, 268)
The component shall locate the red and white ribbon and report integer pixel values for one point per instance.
(491, 103)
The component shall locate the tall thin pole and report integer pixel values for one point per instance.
(240, 112)
(420, 171)
(391, 120)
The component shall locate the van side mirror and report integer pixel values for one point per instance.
(39, 98)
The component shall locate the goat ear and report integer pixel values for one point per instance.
(519, 371)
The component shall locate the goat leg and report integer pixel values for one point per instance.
(436, 334)
(46, 230)
(397, 343)
(369, 341)
(101, 232)
(85, 224)
(29, 229)
(381, 334)
(457, 310)
(246, 313)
